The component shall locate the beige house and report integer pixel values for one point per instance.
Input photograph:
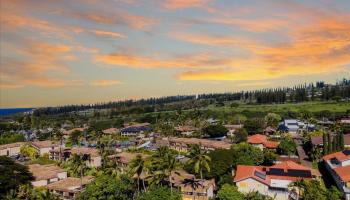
(124, 158)
(69, 188)
(12, 149)
(46, 174)
(44, 147)
(93, 158)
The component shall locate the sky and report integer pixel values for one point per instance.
(58, 52)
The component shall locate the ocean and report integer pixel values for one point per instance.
(10, 111)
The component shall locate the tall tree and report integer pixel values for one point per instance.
(199, 160)
(138, 167)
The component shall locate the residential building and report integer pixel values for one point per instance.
(295, 126)
(232, 128)
(91, 155)
(67, 133)
(186, 130)
(260, 141)
(180, 179)
(44, 147)
(338, 165)
(317, 141)
(12, 149)
(184, 144)
(134, 130)
(124, 158)
(272, 181)
(111, 131)
(46, 174)
(204, 191)
(69, 188)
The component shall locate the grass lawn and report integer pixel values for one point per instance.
(314, 106)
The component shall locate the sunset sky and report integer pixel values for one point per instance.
(56, 52)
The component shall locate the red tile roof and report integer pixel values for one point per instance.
(245, 171)
(262, 139)
(338, 155)
(343, 173)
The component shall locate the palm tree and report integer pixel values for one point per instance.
(170, 165)
(78, 165)
(199, 160)
(161, 152)
(138, 166)
(59, 135)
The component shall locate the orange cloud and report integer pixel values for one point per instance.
(105, 82)
(107, 34)
(180, 4)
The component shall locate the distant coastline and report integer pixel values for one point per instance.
(10, 111)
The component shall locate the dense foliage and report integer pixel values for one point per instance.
(12, 175)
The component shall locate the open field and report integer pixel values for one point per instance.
(314, 107)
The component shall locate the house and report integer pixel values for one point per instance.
(212, 121)
(232, 128)
(69, 188)
(269, 130)
(204, 190)
(180, 179)
(317, 141)
(91, 155)
(111, 131)
(338, 165)
(295, 126)
(260, 141)
(186, 130)
(135, 129)
(272, 181)
(46, 174)
(344, 121)
(12, 149)
(44, 147)
(124, 158)
(67, 133)
(184, 144)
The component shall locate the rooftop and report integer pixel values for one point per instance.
(288, 170)
(262, 139)
(126, 157)
(340, 156)
(12, 145)
(44, 172)
(111, 131)
(203, 142)
(44, 144)
(318, 140)
(69, 184)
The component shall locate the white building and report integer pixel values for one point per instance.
(12, 149)
(46, 174)
(272, 181)
(338, 165)
(44, 147)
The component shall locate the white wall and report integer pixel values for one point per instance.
(12, 151)
(39, 183)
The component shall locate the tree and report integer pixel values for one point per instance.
(325, 143)
(75, 136)
(269, 157)
(254, 126)
(109, 187)
(12, 175)
(287, 146)
(229, 192)
(240, 135)
(77, 165)
(137, 167)
(29, 151)
(194, 184)
(160, 193)
(199, 160)
(59, 135)
(272, 119)
(215, 131)
(220, 164)
(246, 154)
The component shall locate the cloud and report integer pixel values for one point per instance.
(134, 21)
(107, 34)
(104, 83)
(181, 4)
